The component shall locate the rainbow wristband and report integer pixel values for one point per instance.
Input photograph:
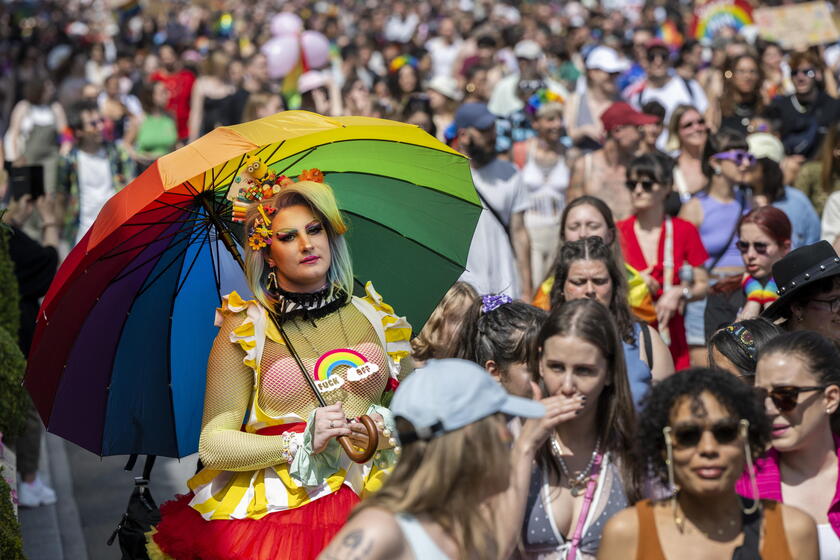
(758, 292)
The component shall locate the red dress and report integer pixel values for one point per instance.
(688, 248)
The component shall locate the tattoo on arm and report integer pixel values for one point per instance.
(353, 546)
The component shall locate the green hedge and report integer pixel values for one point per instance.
(12, 393)
(9, 295)
(11, 546)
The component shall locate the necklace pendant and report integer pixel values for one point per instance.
(575, 491)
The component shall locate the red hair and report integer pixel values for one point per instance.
(772, 221)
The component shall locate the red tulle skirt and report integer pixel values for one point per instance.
(295, 534)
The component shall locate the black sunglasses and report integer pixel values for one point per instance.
(647, 184)
(759, 246)
(654, 54)
(785, 398)
(688, 435)
(807, 71)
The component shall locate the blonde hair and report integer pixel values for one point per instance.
(319, 198)
(448, 480)
(458, 307)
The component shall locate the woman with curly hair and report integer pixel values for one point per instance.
(699, 430)
(798, 375)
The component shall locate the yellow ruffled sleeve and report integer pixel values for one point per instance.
(397, 329)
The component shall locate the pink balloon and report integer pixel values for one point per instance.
(281, 54)
(316, 49)
(286, 23)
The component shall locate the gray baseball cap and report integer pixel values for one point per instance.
(447, 395)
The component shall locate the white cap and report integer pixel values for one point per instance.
(765, 145)
(606, 59)
(311, 80)
(527, 49)
(447, 395)
(446, 85)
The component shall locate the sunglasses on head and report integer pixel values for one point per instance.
(647, 184)
(785, 398)
(689, 434)
(739, 157)
(759, 246)
(809, 72)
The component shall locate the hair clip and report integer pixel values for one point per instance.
(491, 302)
(743, 337)
(261, 234)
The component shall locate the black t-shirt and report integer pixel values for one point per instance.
(803, 125)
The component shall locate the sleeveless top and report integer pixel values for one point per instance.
(638, 372)
(546, 188)
(421, 544)
(157, 135)
(774, 547)
(282, 396)
(719, 220)
(541, 539)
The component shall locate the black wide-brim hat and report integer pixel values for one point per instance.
(798, 269)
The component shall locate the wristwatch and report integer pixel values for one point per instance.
(686, 293)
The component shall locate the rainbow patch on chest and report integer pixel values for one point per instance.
(326, 368)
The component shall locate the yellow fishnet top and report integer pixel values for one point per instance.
(252, 376)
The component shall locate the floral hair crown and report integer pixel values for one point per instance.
(258, 182)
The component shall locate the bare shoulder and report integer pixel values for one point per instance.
(370, 535)
(692, 211)
(621, 535)
(801, 532)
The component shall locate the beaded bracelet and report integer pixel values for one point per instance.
(289, 446)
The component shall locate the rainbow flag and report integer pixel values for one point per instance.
(713, 15)
(670, 34)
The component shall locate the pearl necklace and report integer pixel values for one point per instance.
(577, 483)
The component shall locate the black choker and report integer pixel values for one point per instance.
(310, 306)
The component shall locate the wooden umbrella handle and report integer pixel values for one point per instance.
(364, 455)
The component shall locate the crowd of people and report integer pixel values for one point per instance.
(653, 283)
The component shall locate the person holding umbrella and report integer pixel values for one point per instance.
(280, 486)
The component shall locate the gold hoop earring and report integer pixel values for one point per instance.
(672, 485)
(271, 285)
(745, 433)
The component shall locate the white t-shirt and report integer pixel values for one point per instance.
(673, 94)
(443, 56)
(491, 265)
(96, 186)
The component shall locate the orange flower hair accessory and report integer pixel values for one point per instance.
(311, 175)
(261, 234)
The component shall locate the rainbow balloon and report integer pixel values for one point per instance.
(710, 17)
(326, 364)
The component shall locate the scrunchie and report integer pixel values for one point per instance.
(491, 302)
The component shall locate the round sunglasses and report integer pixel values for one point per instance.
(759, 246)
(688, 434)
(785, 398)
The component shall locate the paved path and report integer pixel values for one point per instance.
(102, 489)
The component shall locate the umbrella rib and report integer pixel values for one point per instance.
(443, 193)
(308, 153)
(192, 264)
(192, 188)
(142, 245)
(150, 259)
(271, 155)
(149, 284)
(169, 204)
(157, 222)
(389, 228)
(232, 173)
(215, 263)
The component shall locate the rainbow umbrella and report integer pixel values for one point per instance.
(118, 360)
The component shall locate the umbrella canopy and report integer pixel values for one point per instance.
(119, 355)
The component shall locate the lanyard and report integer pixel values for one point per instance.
(587, 506)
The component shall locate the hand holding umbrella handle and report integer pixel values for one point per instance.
(364, 455)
